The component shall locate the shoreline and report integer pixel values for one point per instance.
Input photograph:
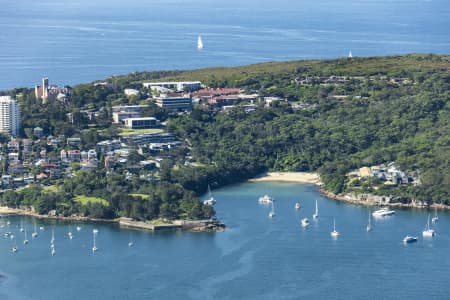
(192, 225)
(353, 199)
(314, 178)
(300, 177)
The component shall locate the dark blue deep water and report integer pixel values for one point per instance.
(77, 41)
(254, 258)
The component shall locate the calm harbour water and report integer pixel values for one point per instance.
(77, 41)
(254, 258)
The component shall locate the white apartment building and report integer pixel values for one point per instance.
(9, 116)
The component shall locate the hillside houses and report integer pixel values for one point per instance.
(389, 175)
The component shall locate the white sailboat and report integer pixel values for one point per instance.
(94, 233)
(70, 234)
(15, 248)
(369, 225)
(334, 233)
(316, 214)
(435, 217)
(199, 43)
(297, 205)
(350, 55)
(34, 234)
(266, 199)
(428, 232)
(52, 241)
(53, 252)
(305, 222)
(130, 242)
(272, 211)
(21, 227)
(25, 240)
(210, 200)
(78, 228)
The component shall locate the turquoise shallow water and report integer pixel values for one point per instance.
(254, 258)
(77, 41)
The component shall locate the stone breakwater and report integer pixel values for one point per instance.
(197, 225)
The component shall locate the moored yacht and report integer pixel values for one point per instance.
(305, 222)
(409, 239)
(25, 240)
(369, 225)
(210, 200)
(383, 212)
(316, 213)
(266, 199)
(272, 212)
(297, 205)
(428, 232)
(94, 233)
(34, 234)
(435, 217)
(334, 233)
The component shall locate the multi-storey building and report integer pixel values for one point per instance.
(9, 116)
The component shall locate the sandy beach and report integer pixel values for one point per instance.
(4, 210)
(301, 177)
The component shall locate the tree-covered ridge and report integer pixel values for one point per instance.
(118, 197)
(379, 110)
(273, 73)
(378, 122)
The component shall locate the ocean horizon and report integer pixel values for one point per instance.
(80, 41)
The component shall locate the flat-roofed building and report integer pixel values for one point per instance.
(128, 108)
(131, 92)
(142, 123)
(175, 103)
(175, 85)
(148, 138)
(109, 145)
(120, 116)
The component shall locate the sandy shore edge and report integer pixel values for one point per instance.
(300, 177)
(314, 178)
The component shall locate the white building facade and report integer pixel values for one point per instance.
(9, 116)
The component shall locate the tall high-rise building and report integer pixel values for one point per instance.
(44, 89)
(9, 116)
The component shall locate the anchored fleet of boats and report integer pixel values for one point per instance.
(380, 213)
(266, 200)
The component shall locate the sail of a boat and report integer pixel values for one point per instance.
(199, 43)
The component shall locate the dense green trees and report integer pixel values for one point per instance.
(376, 121)
(405, 123)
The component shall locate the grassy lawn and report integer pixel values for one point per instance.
(129, 132)
(84, 200)
(50, 188)
(143, 196)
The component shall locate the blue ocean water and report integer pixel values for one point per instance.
(77, 41)
(254, 258)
